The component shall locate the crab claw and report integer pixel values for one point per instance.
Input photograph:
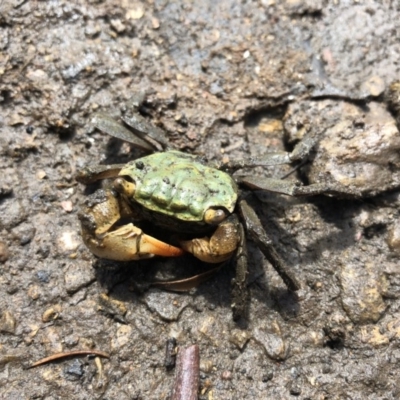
(129, 243)
(217, 248)
(151, 245)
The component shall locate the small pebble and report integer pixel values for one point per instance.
(135, 13)
(226, 375)
(267, 377)
(51, 313)
(121, 337)
(43, 276)
(74, 370)
(155, 22)
(375, 86)
(41, 174)
(33, 292)
(92, 29)
(206, 366)
(295, 389)
(117, 25)
(67, 205)
(112, 307)
(393, 238)
(25, 240)
(68, 241)
(7, 323)
(275, 346)
(77, 276)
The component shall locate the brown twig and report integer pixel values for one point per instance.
(186, 385)
(59, 356)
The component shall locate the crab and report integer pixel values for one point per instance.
(194, 206)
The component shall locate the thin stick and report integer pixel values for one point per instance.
(59, 356)
(187, 378)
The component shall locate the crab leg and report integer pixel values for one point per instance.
(260, 237)
(142, 134)
(217, 248)
(109, 125)
(127, 242)
(293, 189)
(240, 291)
(300, 153)
(95, 173)
(141, 127)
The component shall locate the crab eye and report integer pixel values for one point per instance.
(212, 216)
(124, 186)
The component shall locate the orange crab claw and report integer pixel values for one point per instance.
(151, 245)
(127, 243)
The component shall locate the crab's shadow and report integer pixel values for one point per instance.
(338, 233)
(131, 281)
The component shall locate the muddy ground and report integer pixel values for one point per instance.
(226, 80)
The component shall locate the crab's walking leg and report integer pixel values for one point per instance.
(259, 236)
(114, 128)
(300, 153)
(92, 174)
(142, 134)
(294, 189)
(127, 242)
(144, 129)
(240, 291)
(220, 246)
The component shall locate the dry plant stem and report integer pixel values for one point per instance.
(187, 375)
(59, 356)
